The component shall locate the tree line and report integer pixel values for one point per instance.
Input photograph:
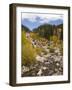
(47, 30)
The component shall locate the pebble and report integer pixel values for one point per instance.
(47, 63)
(25, 69)
(57, 64)
(44, 68)
(56, 69)
(60, 69)
(40, 72)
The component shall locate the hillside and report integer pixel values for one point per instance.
(24, 28)
(47, 30)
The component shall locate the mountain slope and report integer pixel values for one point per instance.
(24, 28)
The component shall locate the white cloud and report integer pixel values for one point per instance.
(44, 18)
(30, 17)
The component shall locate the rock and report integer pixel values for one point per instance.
(58, 58)
(51, 60)
(36, 65)
(50, 72)
(41, 59)
(40, 72)
(57, 64)
(47, 63)
(61, 63)
(25, 69)
(56, 69)
(44, 68)
(48, 55)
(54, 74)
(33, 74)
(60, 69)
(59, 73)
(59, 53)
(57, 50)
(45, 72)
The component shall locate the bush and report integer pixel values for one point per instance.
(38, 50)
(28, 55)
(54, 38)
(28, 52)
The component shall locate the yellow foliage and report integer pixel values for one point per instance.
(54, 38)
(38, 50)
(28, 52)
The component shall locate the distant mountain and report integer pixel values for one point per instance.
(56, 22)
(24, 28)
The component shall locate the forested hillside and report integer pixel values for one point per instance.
(48, 30)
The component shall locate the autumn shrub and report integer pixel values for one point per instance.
(38, 50)
(28, 52)
(54, 38)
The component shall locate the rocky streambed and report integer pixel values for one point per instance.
(46, 64)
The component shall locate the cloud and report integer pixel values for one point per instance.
(41, 18)
(30, 17)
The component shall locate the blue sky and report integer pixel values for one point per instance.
(34, 20)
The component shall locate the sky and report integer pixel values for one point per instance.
(33, 20)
